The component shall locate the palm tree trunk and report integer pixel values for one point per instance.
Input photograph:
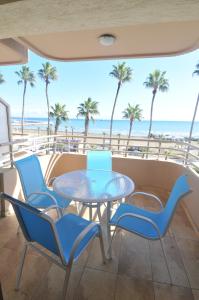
(130, 129)
(116, 96)
(191, 129)
(23, 106)
(55, 139)
(86, 132)
(48, 108)
(151, 118)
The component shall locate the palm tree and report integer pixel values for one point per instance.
(123, 74)
(58, 113)
(1, 79)
(25, 76)
(156, 81)
(87, 109)
(196, 72)
(47, 73)
(132, 113)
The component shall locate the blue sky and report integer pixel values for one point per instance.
(79, 80)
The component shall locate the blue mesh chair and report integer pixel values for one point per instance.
(66, 238)
(34, 187)
(97, 160)
(148, 224)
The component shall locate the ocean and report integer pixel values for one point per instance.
(171, 128)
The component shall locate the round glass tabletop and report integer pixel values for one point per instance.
(93, 186)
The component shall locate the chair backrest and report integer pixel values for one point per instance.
(30, 174)
(180, 188)
(99, 160)
(36, 226)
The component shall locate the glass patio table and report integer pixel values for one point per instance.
(94, 187)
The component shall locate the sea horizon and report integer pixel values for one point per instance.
(120, 126)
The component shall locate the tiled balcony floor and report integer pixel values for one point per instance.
(136, 272)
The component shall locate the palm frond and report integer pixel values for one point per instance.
(133, 112)
(48, 72)
(121, 72)
(157, 81)
(2, 80)
(196, 71)
(25, 75)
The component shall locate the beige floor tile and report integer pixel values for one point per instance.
(195, 294)
(95, 257)
(134, 258)
(190, 254)
(168, 292)
(131, 288)
(16, 242)
(158, 264)
(8, 262)
(34, 271)
(96, 285)
(127, 276)
(181, 226)
(52, 286)
(8, 286)
(174, 261)
(8, 228)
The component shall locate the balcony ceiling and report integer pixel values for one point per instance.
(12, 52)
(68, 30)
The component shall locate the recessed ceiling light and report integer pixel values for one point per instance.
(107, 39)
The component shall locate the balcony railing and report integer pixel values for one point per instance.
(160, 149)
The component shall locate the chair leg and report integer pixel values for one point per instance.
(90, 213)
(102, 246)
(20, 268)
(66, 281)
(82, 210)
(109, 252)
(78, 207)
(62, 211)
(99, 212)
(164, 253)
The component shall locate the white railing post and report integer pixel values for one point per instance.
(104, 140)
(185, 153)
(118, 142)
(159, 148)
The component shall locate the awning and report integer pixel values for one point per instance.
(12, 52)
(69, 30)
(131, 41)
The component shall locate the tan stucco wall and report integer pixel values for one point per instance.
(147, 174)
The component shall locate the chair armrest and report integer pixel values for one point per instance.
(141, 218)
(58, 209)
(43, 193)
(150, 196)
(51, 180)
(79, 239)
(55, 205)
(112, 180)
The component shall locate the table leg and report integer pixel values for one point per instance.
(109, 252)
(99, 212)
(90, 213)
(81, 210)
